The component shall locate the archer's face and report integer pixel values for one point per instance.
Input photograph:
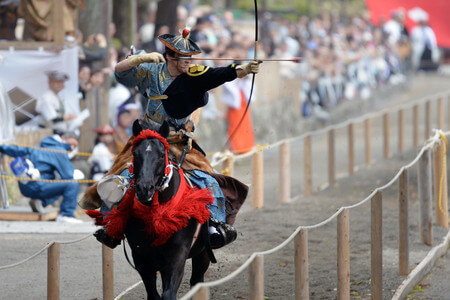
(182, 66)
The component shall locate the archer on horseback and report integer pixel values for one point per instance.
(176, 90)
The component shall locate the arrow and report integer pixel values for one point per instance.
(294, 59)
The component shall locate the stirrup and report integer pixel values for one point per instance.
(223, 234)
(102, 236)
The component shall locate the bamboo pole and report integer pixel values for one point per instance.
(331, 155)
(307, 152)
(202, 294)
(257, 180)
(440, 185)
(228, 166)
(351, 149)
(301, 265)
(425, 199)
(416, 126)
(427, 119)
(285, 173)
(256, 278)
(367, 141)
(440, 113)
(377, 246)
(386, 134)
(53, 272)
(343, 254)
(108, 272)
(401, 130)
(403, 247)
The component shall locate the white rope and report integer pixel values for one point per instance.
(43, 249)
(360, 119)
(127, 290)
(428, 145)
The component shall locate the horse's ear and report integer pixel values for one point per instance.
(137, 128)
(164, 129)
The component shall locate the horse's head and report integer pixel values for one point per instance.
(149, 153)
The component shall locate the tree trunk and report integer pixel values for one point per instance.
(167, 15)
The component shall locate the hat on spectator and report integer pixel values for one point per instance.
(180, 44)
(56, 75)
(105, 129)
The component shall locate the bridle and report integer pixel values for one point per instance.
(168, 170)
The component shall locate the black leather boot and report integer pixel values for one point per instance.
(102, 236)
(220, 234)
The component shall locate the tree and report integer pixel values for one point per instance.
(167, 14)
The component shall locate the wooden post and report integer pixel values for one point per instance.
(351, 149)
(228, 166)
(58, 22)
(343, 255)
(416, 126)
(448, 111)
(386, 134)
(53, 272)
(301, 265)
(331, 164)
(427, 120)
(425, 198)
(403, 246)
(440, 113)
(440, 185)
(202, 294)
(307, 153)
(401, 130)
(367, 141)
(285, 173)
(256, 278)
(257, 180)
(108, 272)
(376, 253)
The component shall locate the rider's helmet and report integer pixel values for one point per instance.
(180, 44)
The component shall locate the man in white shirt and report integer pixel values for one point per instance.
(425, 51)
(50, 105)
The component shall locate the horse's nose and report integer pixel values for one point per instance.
(144, 194)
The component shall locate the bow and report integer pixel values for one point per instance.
(253, 77)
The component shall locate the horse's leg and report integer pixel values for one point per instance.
(148, 276)
(172, 275)
(200, 264)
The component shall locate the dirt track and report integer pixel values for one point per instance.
(258, 231)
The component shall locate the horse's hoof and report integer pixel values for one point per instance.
(102, 236)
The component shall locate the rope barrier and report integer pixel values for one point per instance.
(53, 150)
(45, 248)
(48, 180)
(360, 119)
(428, 145)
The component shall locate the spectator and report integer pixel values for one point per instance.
(103, 153)
(47, 163)
(51, 107)
(124, 121)
(425, 52)
(84, 85)
(94, 50)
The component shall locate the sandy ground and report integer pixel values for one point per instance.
(258, 231)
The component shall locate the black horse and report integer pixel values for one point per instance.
(169, 259)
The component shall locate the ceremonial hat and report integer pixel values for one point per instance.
(57, 75)
(180, 44)
(105, 129)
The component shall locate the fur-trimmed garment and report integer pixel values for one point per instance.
(161, 221)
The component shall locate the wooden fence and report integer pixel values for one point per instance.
(255, 263)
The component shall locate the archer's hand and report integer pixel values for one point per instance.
(138, 59)
(251, 67)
